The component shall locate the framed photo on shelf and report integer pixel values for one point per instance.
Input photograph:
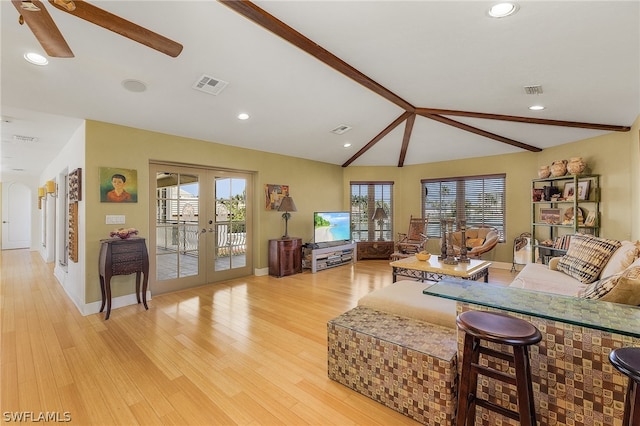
(550, 216)
(591, 219)
(569, 191)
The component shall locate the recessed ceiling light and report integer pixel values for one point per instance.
(501, 10)
(136, 86)
(346, 145)
(536, 107)
(35, 58)
(243, 116)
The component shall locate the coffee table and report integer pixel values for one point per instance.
(435, 270)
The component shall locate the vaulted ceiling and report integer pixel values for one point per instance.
(416, 82)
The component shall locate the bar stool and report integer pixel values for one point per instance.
(627, 361)
(501, 329)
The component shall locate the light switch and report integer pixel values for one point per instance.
(115, 219)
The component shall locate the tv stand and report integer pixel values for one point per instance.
(330, 256)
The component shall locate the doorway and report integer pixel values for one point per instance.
(201, 226)
(16, 216)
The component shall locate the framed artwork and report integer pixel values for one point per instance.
(591, 219)
(274, 194)
(75, 185)
(569, 191)
(550, 216)
(118, 185)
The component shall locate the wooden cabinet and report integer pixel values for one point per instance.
(375, 249)
(285, 256)
(123, 257)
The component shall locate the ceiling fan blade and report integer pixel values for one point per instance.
(45, 30)
(119, 25)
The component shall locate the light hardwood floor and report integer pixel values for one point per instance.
(248, 351)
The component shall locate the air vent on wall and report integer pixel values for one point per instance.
(533, 90)
(341, 129)
(21, 138)
(210, 85)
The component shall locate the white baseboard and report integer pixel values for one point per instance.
(260, 272)
(116, 302)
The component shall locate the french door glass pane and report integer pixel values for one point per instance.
(177, 229)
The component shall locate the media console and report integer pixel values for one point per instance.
(318, 257)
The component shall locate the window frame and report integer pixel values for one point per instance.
(378, 194)
(459, 207)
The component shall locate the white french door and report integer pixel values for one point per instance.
(201, 220)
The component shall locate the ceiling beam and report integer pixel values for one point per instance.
(380, 135)
(405, 141)
(593, 126)
(481, 132)
(279, 28)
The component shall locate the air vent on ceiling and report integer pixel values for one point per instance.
(27, 139)
(210, 85)
(341, 129)
(533, 90)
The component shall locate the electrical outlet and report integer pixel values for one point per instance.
(115, 219)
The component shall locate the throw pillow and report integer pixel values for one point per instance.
(586, 257)
(623, 287)
(621, 258)
(474, 242)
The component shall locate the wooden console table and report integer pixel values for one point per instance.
(123, 257)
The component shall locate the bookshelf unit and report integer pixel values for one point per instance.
(318, 259)
(558, 216)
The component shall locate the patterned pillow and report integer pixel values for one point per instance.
(586, 257)
(623, 287)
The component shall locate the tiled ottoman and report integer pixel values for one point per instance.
(404, 363)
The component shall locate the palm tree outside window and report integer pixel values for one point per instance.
(366, 197)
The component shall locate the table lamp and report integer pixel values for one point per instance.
(287, 205)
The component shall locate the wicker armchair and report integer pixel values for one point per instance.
(413, 241)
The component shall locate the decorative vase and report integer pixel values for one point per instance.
(559, 168)
(544, 172)
(576, 165)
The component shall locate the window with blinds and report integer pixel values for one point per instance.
(480, 200)
(366, 197)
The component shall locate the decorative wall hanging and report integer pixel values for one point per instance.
(75, 185)
(274, 195)
(73, 231)
(118, 185)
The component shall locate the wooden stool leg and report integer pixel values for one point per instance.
(526, 406)
(468, 382)
(632, 405)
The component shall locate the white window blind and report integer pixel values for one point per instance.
(480, 200)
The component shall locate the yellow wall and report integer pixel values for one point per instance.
(313, 186)
(320, 186)
(607, 155)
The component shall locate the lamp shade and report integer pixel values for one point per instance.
(51, 187)
(287, 205)
(379, 214)
(41, 192)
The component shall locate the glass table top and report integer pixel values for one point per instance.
(605, 316)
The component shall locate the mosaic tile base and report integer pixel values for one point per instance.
(406, 364)
(574, 383)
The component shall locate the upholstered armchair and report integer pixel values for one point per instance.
(479, 240)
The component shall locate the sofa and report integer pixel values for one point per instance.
(370, 344)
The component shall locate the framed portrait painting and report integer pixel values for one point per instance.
(118, 185)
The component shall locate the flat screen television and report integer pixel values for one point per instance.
(331, 226)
